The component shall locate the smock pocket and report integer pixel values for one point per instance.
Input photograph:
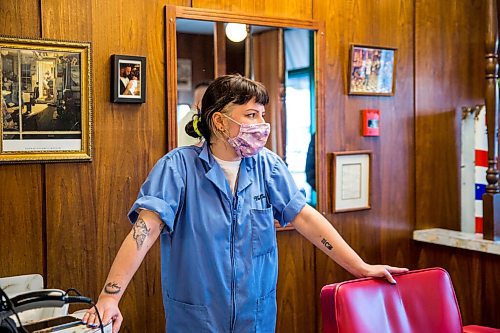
(263, 231)
(184, 317)
(266, 313)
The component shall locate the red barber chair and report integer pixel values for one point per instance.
(422, 301)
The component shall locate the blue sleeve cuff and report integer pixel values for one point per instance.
(156, 205)
(292, 209)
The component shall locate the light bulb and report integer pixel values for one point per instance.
(236, 32)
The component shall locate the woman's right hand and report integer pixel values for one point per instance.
(108, 309)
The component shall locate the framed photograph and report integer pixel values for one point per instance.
(372, 70)
(351, 180)
(129, 79)
(184, 75)
(46, 100)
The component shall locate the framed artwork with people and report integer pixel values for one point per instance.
(372, 70)
(129, 79)
(45, 101)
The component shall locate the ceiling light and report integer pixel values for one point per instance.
(236, 32)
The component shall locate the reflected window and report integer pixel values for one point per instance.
(300, 120)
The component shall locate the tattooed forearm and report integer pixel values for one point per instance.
(327, 244)
(140, 232)
(112, 288)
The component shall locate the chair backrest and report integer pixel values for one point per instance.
(20, 283)
(421, 301)
(16, 285)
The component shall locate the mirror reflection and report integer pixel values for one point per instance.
(282, 59)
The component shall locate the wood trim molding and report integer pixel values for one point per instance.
(321, 156)
(491, 199)
(171, 75)
(226, 16)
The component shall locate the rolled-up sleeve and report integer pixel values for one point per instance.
(286, 199)
(161, 193)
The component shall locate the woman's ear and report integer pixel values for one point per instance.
(218, 121)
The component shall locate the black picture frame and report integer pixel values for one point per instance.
(131, 89)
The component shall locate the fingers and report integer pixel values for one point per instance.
(85, 318)
(91, 319)
(396, 269)
(385, 271)
(389, 277)
(389, 270)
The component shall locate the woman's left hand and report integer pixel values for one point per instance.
(385, 271)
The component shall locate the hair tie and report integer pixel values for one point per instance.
(196, 120)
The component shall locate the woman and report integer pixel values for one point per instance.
(213, 208)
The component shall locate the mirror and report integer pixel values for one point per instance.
(282, 54)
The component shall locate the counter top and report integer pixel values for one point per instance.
(463, 240)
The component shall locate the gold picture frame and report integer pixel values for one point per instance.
(46, 100)
(351, 180)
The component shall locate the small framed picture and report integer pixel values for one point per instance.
(372, 70)
(129, 79)
(184, 75)
(351, 180)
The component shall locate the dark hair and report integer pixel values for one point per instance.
(225, 90)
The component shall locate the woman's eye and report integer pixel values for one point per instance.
(251, 115)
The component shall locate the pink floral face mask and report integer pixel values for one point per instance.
(251, 138)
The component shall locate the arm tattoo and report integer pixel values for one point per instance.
(141, 231)
(327, 244)
(112, 288)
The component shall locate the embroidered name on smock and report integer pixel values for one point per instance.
(259, 197)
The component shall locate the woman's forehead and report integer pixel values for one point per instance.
(251, 105)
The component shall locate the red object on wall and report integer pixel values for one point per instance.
(371, 122)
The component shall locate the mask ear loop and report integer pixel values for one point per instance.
(215, 130)
(221, 133)
(224, 134)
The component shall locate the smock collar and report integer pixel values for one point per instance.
(217, 177)
(206, 155)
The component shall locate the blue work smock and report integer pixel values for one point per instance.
(219, 259)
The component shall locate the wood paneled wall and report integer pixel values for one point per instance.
(67, 220)
(200, 49)
(382, 233)
(22, 193)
